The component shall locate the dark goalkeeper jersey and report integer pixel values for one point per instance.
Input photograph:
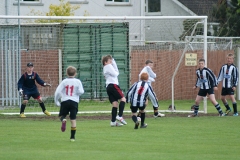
(27, 82)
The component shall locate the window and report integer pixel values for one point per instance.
(78, 1)
(29, 2)
(153, 7)
(118, 0)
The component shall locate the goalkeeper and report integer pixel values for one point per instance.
(27, 89)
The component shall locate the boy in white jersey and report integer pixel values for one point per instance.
(137, 96)
(229, 75)
(69, 91)
(110, 72)
(151, 78)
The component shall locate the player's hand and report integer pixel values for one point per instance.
(215, 88)
(47, 84)
(234, 88)
(58, 104)
(194, 87)
(20, 92)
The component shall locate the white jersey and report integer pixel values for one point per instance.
(110, 72)
(150, 73)
(68, 89)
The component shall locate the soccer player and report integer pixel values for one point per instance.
(229, 75)
(69, 90)
(27, 89)
(207, 83)
(110, 72)
(151, 78)
(137, 96)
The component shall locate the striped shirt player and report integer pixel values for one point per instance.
(207, 82)
(69, 91)
(229, 76)
(110, 72)
(137, 96)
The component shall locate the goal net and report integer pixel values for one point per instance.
(54, 43)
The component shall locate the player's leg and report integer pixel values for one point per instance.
(39, 99)
(224, 100)
(73, 116)
(142, 111)
(201, 93)
(146, 103)
(118, 94)
(63, 112)
(114, 101)
(134, 116)
(234, 103)
(216, 104)
(26, 97)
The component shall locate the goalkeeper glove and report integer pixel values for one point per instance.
(47, 84)
(20, 92)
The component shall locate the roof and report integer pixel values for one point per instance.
(200, 7)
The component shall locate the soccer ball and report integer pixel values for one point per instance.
(139, 119)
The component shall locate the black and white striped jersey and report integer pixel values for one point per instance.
(206, 78)
(229, 75)
(138, 93)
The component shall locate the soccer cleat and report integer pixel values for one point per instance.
(227, 111)
(63, 127)
(193, 115)
(136, 125)
(159, 115)
(235, 114)
(143, 126)
(22, 115)
(115, 124)
(121, 120)
(47, 113)
(222, 115)
(72, 140)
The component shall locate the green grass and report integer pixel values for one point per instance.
(168, 138)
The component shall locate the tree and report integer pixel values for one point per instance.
(227, 14)
(63, 9)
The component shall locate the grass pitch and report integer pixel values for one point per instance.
(168, 138)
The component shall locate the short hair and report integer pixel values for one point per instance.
(148, 61)
(106, 58)
(144, 76)
(230, 55)
(201, 60)
(71, 71)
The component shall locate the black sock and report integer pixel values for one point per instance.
(134, 118)
(196, 108)
(73, 131)
(121, 108)
(219, 109)
(22, 108)
(142, 118)
(227, 106)
(42, 106)
(235, 107)
(114, 114)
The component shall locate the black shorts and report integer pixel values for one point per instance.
(27, 96)
(114, 92)
(135, 109)
(204, 92)
(227, 91)
(69, 106)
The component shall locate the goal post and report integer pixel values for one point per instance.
(54, 42)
